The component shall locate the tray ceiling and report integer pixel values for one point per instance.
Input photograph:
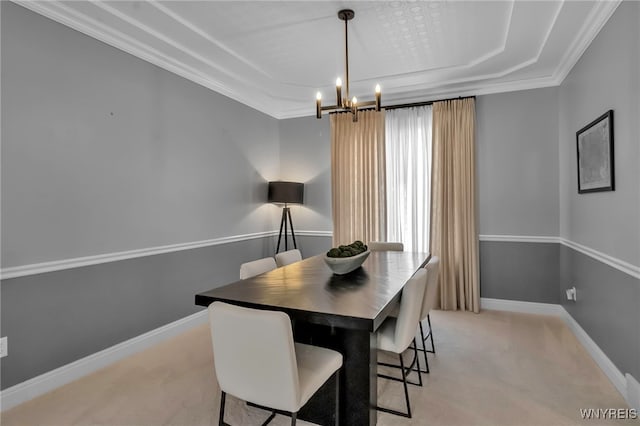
(274, 56)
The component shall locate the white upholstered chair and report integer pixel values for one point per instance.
(396, 334)
(257, 361)
(385, 246)
(428, 303)
(288, 257)
(257, 267)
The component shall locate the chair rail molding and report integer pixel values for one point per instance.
(57, 265)
(520, 238)
(614, 262)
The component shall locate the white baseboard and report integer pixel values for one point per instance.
(633, 392)
(53, 379)
(603, 361)
(39, 385)
(522, 307)
(606, 365)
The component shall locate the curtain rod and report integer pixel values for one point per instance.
(416, 104)
(410, 105)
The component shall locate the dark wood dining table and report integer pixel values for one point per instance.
(341, 312)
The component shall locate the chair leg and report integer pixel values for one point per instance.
(271, 417)
(411, 367)
(417, 359)
(433, 348)
(406, 388)
(294, 416)
(406, 391)
(424, 348)
(223, 398)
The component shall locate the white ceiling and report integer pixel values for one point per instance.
(275, 56)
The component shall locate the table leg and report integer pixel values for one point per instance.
(358, 378)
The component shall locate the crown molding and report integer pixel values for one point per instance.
(592, 26)
(276, 107)
(203, 34)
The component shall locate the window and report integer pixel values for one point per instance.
(408, 181)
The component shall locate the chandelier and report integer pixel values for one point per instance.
(347, 103)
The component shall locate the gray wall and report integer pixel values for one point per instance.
(55, 318)
(78, 181)
(522, 271)
(517, 163)
(311, 245)
(103, 152)
(606, 77)
(607, 307)
(524, 188)
(517, 178)
(305, 156)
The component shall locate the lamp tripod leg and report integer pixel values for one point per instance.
(285, 212)
(293, 236)
(282, 223)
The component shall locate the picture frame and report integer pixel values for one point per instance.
(594, 143)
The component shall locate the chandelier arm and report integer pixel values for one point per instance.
(346, 104)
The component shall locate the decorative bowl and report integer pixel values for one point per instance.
(344, 265)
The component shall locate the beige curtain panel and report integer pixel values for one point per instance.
(358, 177)
(453, 204)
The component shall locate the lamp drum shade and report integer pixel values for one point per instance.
(286, 192)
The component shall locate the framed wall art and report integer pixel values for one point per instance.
(595, 155)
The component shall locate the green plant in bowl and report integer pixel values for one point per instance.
(353, 249)
(346, 258)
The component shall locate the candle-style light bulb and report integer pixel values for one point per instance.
(339, 92)
(354, 108)
(338, 82)
(378, 97)
(318, 105)
(378, 88)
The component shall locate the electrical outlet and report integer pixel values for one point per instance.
(572, 294)
(3, 347)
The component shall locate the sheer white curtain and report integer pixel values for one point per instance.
(408, 170)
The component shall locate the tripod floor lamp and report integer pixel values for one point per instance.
(287, 193)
